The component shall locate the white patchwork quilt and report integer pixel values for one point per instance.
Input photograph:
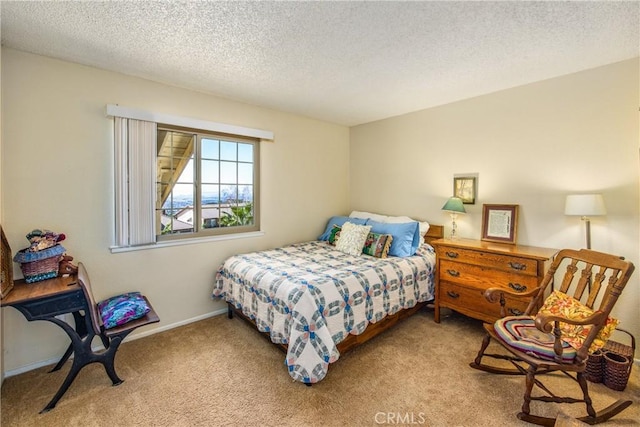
(311, 296)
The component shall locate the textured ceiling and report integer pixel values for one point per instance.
(344, 62)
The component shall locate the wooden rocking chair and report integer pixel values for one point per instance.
(538, 345)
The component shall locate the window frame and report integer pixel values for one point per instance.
(134, 228)
(199, 231)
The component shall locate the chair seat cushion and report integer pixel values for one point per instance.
(118, 310)
(520, 332)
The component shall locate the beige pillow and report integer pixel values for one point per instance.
(352, 238)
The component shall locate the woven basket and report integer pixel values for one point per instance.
(612, 364)
(40, 265)
(618, 361)
(595, 367)
(616, 370)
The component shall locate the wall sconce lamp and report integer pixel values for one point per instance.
(585, 205)
(454, 206)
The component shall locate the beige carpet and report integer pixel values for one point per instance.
(221, 372)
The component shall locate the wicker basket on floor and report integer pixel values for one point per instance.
(618, 361)
(595, 367)
(612, 364)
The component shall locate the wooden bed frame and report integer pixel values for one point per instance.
(352, 341)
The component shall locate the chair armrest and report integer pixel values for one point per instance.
(493, 294)
(551, 324)
(544, 321)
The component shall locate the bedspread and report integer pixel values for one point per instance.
(310, 296)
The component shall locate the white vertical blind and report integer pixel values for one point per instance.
(122, 182)
(142, 180)
(135, 173)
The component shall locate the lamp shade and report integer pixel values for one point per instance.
(454, 204)
(585, 205)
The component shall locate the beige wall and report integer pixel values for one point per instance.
(57, 174)
(531, 146)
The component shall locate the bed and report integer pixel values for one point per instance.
(317, 303)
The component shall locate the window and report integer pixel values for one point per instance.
(206, 183)
(179, 179)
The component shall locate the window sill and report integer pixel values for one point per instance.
(181, 242)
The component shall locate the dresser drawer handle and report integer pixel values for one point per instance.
(515, 312)
(453, 294)
(517, 287)
(453, 273)
(517, 266)
(452, 254)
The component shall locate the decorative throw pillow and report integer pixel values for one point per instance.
(339, 220)
(334, 234)
(406, 236)
(352, 238)
(564, 305)
(118, 310)
(377, 245)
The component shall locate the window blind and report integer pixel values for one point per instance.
(135, 176)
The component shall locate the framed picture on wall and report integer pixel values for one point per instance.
(464, 187)
(500, 223)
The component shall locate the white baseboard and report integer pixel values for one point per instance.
(135, 336)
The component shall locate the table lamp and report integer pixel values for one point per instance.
(454, 206)
(585, 205)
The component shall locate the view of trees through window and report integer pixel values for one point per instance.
(205, 182)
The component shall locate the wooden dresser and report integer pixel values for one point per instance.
(466, 268)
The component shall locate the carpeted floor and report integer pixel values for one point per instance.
(220, 372)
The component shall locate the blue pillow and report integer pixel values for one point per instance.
(118, 310)
(340, 220)
(406, 236)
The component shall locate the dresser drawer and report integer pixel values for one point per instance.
(467, 268)
(485, 277)
(509, 263)
(471, 301)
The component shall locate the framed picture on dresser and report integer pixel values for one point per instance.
(500, 223)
